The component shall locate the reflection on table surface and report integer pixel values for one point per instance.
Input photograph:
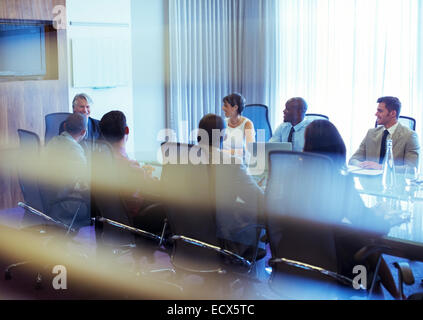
(404, 204)
(404, 199)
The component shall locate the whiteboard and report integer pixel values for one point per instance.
(100, 62)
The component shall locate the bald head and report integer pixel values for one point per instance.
(295, 110)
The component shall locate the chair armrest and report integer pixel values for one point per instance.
(399, 248)
(405, 275)
(305, 266)
(405, 272)
(129, 228)
(205, 245)
(44, 216)
(366, 251)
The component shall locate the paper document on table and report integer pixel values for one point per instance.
(368, 172)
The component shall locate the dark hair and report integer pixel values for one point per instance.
(321, 136)
(300, 103)
(76, 123)
(209, 123)
(112, 126)
(391, 103)
(236, 99)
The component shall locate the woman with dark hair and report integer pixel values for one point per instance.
(239, 129)
(323, 137)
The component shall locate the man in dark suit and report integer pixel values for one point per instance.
(82, 104)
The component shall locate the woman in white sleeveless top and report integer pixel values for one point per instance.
(239, 129)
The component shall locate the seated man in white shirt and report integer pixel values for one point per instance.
(405, 143)
(293, 128)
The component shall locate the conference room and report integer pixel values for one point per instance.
(211, 150)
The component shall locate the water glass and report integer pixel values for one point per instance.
(410, 175)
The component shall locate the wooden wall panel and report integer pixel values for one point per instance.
(23, 104)
(28, 9)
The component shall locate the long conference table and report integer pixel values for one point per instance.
(405, 238)
(404, 205)
(404, 200)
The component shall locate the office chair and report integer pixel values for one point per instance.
(53, 124)
(189, 191)
(405, 276)
(47, 231)
(406, 121)
(302, 219)
(39, 203)
(258, 114)
(315, 116)
(115, 228)
(408, 251)
(29, 149)
(36, 193)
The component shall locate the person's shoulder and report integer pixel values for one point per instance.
(63, 137)
(404, 130)
(94, 121)
(248, 123)
(283, 125)
(63, 143)
(54, 141)
(373, 131)
(304, 124)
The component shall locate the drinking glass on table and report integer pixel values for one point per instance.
(410, 175)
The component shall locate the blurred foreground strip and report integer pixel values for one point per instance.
(100, 275)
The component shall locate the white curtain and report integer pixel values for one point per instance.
(343, 55)
(217, 47)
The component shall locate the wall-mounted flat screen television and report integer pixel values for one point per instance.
(22, 49)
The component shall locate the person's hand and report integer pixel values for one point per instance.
(370, 165)
(148, 171)
(134, 164)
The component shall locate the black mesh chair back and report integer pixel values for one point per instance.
(300, 213)
(105, 189)
(408, 122)
(316, 116)
(53, 124)
(30, 151)
(187, 189)
(259, 115)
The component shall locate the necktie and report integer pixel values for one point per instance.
(290, 134)
(383, 146)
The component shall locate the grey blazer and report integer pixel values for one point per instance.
(405, 146)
